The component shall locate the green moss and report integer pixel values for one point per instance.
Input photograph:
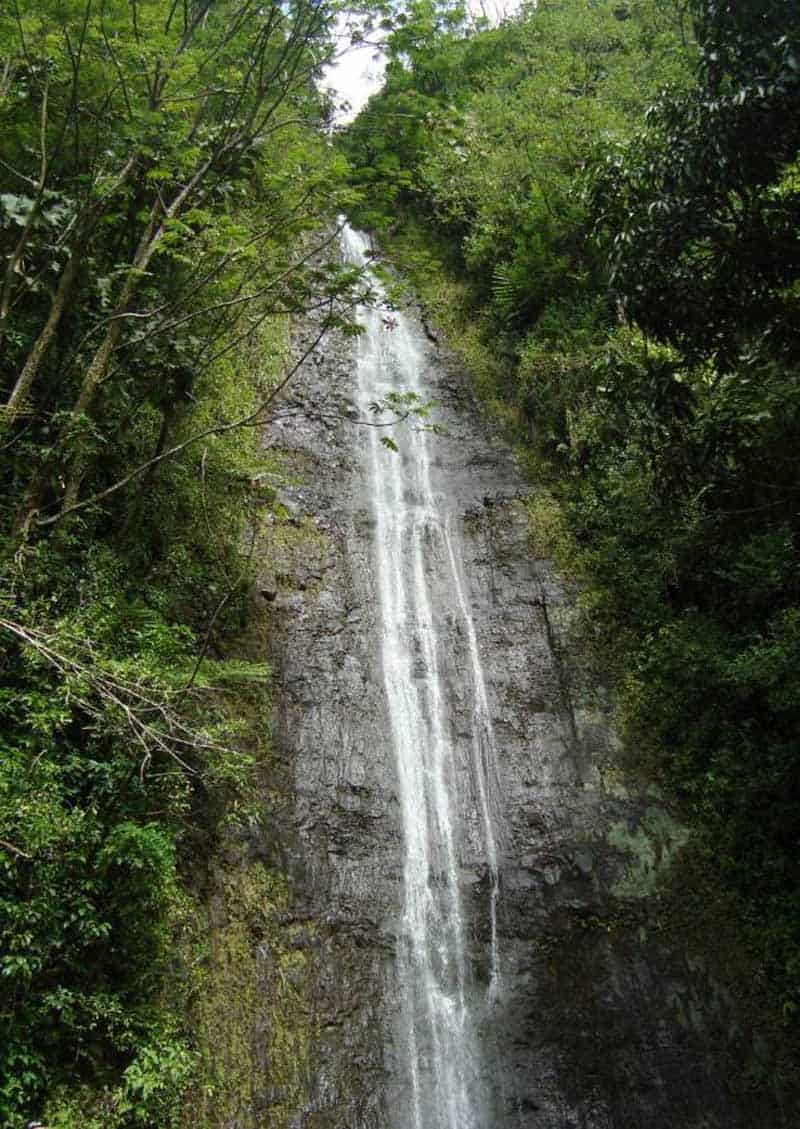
(252, 1002)
(615, 781)
(650, 847)
(290, 535)
(546, 524)
(293, 553)
(253, 1009)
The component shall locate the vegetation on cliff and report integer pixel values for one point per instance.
(602, 201)
(163, 176)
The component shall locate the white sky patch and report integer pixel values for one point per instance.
(358, 71)
(495, 11)
(356, 74)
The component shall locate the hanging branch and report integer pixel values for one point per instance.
(151, 719)
(252, 419)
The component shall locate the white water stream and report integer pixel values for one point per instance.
(417, 561)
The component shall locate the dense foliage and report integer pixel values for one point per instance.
(163, 175)
(612, 195)
(604, 198)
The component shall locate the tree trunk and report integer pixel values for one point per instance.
(18, 400)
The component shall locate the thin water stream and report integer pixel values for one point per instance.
(416, 553)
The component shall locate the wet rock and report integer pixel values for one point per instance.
(600, 1023)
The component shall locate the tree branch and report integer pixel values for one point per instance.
(251, 419)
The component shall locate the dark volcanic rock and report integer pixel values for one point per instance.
(603, 1020)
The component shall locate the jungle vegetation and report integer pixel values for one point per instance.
(602, 198)
(601, 202)
(164, 183)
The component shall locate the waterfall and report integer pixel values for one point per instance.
(421, 588)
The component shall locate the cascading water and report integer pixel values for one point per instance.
(416, 551)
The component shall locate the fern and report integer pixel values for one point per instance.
(505, 291)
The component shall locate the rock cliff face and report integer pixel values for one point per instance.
(604, 1019)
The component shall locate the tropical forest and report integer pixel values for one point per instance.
(399, 564)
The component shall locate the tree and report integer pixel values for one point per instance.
(134, 130)
(168, 199)
(703, 208)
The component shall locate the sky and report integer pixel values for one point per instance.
(358, 72)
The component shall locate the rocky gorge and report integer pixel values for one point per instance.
(588, 1009)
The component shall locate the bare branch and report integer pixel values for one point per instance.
(152, 720)
(14, 850)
